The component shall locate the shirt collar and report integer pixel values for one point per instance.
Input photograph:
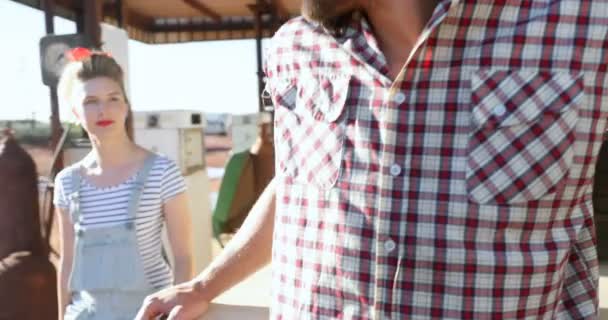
(358, 35)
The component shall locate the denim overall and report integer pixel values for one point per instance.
(107, 280)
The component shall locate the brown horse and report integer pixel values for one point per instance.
(28, 286)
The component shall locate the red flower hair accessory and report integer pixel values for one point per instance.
(79, 54)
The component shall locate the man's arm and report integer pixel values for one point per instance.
(247, 252)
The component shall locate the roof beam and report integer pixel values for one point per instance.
(196, 4)
(129, 16)
(70, 4)
(138, 20)
(278, 13)
(260, 6)
(280, 8)
(60, 9)
(238, 25)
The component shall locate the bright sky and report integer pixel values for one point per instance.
(218, 76)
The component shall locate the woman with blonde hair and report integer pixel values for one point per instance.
(114, 203)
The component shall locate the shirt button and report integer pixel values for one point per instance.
(395, 170)
(400, 97)
(389, 246)
(500, 111)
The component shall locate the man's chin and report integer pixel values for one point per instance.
(326, 12)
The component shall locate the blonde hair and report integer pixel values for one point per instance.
(98, 64)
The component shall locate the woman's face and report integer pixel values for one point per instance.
(100, 107)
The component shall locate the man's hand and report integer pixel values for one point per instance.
(249, 250)
(180, 302)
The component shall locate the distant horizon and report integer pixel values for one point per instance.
(210, 77)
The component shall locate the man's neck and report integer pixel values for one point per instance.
(397, 25)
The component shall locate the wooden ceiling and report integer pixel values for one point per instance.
(171, 21)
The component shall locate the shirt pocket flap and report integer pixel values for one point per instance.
(503, 98)
(324, 97)
(283, 92)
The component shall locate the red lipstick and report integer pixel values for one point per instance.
(104, 123)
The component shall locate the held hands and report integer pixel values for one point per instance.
(180, 302)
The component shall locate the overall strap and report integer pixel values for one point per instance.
(76, 183)
(138, 189)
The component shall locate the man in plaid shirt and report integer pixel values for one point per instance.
(434, 160)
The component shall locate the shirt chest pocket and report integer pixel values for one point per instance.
(521, 145)
(310, 125)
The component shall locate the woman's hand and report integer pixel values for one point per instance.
(180, 302)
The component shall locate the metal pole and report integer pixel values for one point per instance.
(49, 13)
(56, 130)
(91, 19)
(47, 216)
(258, 45)
(120, 13)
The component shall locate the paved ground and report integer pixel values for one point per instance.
(255, 291)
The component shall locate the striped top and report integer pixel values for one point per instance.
(101, 207)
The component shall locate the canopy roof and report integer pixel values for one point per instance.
(171, 21)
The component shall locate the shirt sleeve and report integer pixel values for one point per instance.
(172, 182)
(59, 194)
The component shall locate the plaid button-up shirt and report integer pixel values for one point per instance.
(461, 190)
